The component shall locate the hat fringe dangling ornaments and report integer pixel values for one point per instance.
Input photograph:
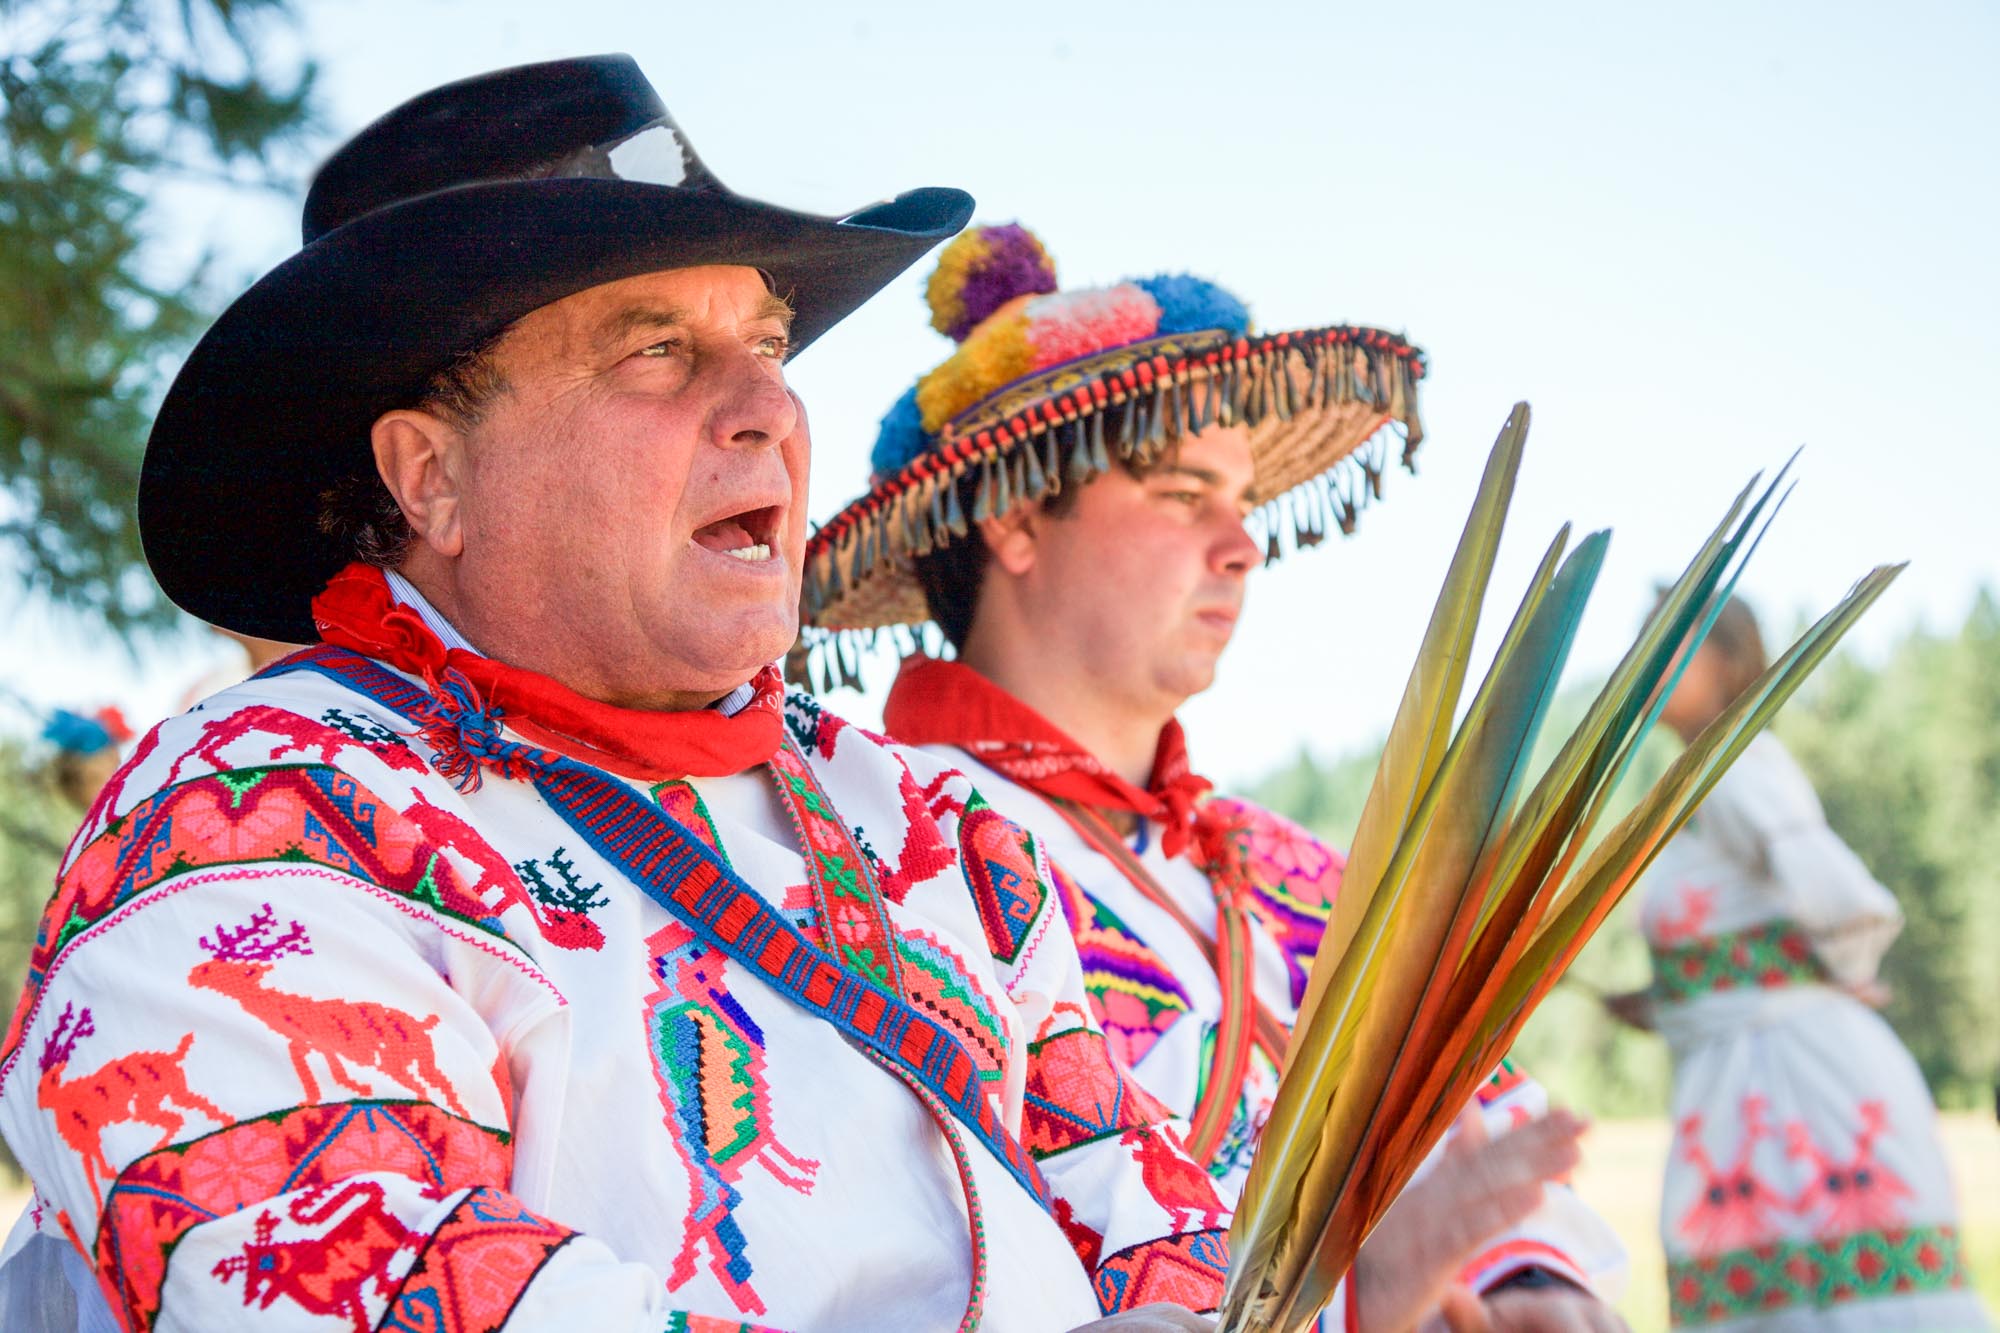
(1048, 387)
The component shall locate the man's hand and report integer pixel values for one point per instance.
(1161, 1318)
(1479, 1187)
(1553, 1309)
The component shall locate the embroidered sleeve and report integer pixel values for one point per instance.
(1848, 916)
(255, 1076)
(1143, 1218)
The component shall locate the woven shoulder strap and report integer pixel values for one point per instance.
(676, 869)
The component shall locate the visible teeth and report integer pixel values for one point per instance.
(761, 551)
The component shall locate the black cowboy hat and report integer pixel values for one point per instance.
(427, 234)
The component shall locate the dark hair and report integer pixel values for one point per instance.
(1736, 636)
(953, 575)
(1737, 640)
(359, 512)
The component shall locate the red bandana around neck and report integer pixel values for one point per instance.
(358, 611)
(936, 702)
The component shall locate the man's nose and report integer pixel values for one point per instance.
(1235, 550)
(755, 409)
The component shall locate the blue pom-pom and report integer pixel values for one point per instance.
(1190, 305)
(76, 733)
(901, 438)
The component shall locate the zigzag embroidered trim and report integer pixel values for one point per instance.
(474, 1269)
(1765, 956)
(1815, 1275)
(307, 814)
(1076, 1095)
(1186, 1270)
(162, 1196)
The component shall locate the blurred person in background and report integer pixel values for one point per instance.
(1805, 1188)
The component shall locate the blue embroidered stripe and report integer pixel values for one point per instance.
(677, 870)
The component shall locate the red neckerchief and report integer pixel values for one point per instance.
(358, 611)
(945, 703)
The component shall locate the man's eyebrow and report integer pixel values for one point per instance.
(775, 307)
(633, 318)
(1207, 477)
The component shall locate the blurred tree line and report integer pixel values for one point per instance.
(109, 111)
(1905, 755)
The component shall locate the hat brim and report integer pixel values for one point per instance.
(1312, 399)
(274, 404)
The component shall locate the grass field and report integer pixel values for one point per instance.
(1621, 1179)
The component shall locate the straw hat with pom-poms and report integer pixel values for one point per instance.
(1048, 386)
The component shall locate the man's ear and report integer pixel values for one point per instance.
(420, 458)
(1012, 538)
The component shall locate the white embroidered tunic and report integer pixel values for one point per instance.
(314, 1040)
(1806, 1188)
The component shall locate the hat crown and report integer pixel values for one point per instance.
(512, 124)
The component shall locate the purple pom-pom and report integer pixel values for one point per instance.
(1191, 305)
(1014, 265)
(901, 438)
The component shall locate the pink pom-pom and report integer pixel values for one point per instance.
(1069, 325)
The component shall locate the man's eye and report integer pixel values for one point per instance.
(778, 347)
(664, 347)
(1182, 497)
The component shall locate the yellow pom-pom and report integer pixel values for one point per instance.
(998, 352)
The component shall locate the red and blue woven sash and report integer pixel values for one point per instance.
(677, 870)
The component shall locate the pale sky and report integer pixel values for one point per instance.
(1694, 236)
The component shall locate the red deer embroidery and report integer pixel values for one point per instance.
(327, 1274)
(562, 923)
(1734, 1206)
(289, 732)
(1856, 1195)
(348, 1035)
(146, 1088)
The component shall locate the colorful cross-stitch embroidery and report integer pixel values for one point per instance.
(564, 900)
(311, 815)
(1771, 954)
(477, 1264)
(1133, 994)
(1814, 1275)
(145, 1088)
(1735, 1206)
(337, 1270)
(347, 1035)
(852, 917)
(1004, 870)
(162, 1196)
(1290, 878)
(938, 982)
(684, 805)
(1852, 1194)
(1075, 1095)
(708, 1058)
(1186, 1270)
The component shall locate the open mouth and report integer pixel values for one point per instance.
(750, 536)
